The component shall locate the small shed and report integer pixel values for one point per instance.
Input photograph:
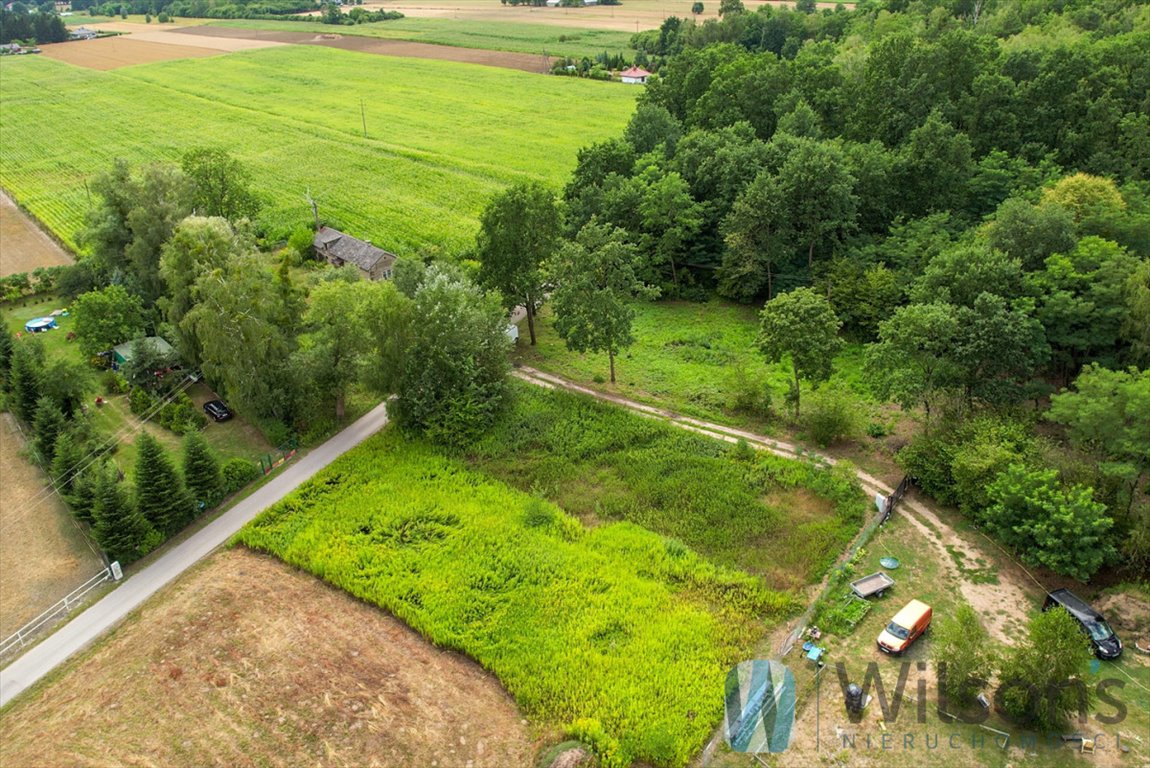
(339, 249)
(122, 353)
(635, 76)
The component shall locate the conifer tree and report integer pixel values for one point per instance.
(67, 460)
(82, 494)
(160, 493)
(46, 427)
(120, 529)
(202, 472)
(6, 348)
(25, 382)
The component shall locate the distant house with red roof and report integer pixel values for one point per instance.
(635, 75)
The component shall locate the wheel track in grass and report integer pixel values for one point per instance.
(999, 604)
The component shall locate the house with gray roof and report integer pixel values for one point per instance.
(340, 249)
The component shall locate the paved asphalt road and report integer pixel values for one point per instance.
(97, 619)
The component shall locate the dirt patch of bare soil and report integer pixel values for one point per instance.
(23, 245)
(245, 662)
(1130, 617)
(43, 554)
(521, 61)
(1002, 601)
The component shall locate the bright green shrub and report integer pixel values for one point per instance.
(113, 383)
(140, 401)
(613, 625)
(238, 473)
(830, 417)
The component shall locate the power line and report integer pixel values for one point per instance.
(53, 487)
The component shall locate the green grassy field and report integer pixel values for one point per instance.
(442, 137)
(783, 519)
(613, 630)
(515, 37)
(692, 357)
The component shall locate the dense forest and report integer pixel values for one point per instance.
(967, 185)
(39, 26)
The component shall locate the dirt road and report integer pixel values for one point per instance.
(87, 626)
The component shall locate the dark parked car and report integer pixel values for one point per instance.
(1106, 643)
(217, 410)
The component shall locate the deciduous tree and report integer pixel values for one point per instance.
(912, 362)
(518, 231)
(595, 280)
(801, 324)
(818, 191)
(237, 324)
(220, 184)
(757, 233)
(1081, 303)
(161, 201)
(107, 317)
(1109, 413)
(197, 246)
(1062, 529)
(1041, 679)
(999, 348)
(963, 645)
(338, 344)
(1136, 328)
(671, 220)
(1031, 233)
(452, 377)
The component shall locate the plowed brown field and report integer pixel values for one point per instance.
(246, 661)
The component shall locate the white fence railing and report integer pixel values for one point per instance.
(25, 634)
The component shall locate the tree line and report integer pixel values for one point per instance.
(35, 25)
(963, 190)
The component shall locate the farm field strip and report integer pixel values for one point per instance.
(515, 37)
(292, 114)
(109, 53)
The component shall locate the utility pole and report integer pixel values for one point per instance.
(363, 118)
(314, 208)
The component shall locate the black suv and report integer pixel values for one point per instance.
(217, 410)
(1106, 643)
